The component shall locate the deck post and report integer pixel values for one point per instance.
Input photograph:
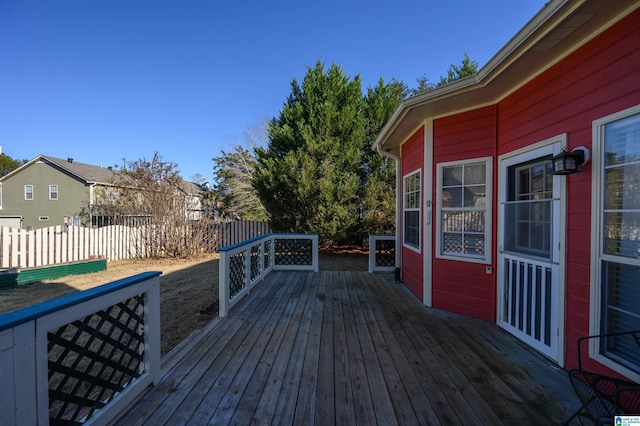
(223, 284)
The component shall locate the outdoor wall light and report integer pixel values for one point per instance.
(567, 162)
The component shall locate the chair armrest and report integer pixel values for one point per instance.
(628, 400)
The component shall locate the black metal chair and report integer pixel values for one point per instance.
(604, 397)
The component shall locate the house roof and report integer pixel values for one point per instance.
(561, 27)
(192, 188)
(87, 173)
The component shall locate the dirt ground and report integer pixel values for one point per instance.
(188, 288)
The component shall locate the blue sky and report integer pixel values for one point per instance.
(104, 80)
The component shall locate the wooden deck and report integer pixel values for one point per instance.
(350, 348)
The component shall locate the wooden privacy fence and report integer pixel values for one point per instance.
(228, 233)
(20, 248)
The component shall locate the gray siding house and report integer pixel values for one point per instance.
(50, 191)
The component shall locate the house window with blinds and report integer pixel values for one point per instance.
(464, 190)
(412, 210)
(618, 143)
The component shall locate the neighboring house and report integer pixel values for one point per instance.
(486, 229)
(48, 191)
(195, 207)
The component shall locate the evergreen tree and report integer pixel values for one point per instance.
(423, 86)
(456, 72)
(316, 170)
(8, 164)
(378, 189)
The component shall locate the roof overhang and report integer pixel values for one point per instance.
(561, 27)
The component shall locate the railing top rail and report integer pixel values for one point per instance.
(21, 316)
(253, 240)
(242, 243)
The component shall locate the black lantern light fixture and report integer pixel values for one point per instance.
(567, 162)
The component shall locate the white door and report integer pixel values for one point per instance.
(531, 292)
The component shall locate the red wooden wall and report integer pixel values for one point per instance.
(460, 286)
(601, 78)
(412, 265)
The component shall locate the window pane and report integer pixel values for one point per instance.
(412, 210)
(412, 228)
(621, 238)
(475, 174)
(452, 243)
(622, 187)
(475, 196)
(463, 203)
(622, 141)
(531, 233)
(622, 234)
(474, 221)
(452, 176)
(620, 295)
(621, 198)
(452, 221)
(452, 197)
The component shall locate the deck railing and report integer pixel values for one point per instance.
(245, 264)
(83, 357)
(382, 252)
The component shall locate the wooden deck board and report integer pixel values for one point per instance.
(347, 348)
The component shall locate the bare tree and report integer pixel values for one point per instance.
(152, 193)
(234, 171)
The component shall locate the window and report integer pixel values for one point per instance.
(528, 206)
(412, 210)
(617, 204)
(464, 197)
(28, 192)
(53, 192)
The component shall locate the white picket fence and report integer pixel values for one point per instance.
(21, 248)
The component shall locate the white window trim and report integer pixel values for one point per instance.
(596, 241)
(57, 192)
(25, 193)
(419, 209)
(488, 229)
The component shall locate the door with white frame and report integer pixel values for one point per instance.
(530, 246)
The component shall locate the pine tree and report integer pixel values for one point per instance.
(456, 72)
(314, 174)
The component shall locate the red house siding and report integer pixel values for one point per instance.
(412, 160)
(599, 79)
(461, 286)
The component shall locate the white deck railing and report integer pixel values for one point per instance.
(81, 357)
(382, 252)
(245, 264)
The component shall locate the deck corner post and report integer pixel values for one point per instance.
(152, 338)
(223, 284)
(372, 253)
(314, 243)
